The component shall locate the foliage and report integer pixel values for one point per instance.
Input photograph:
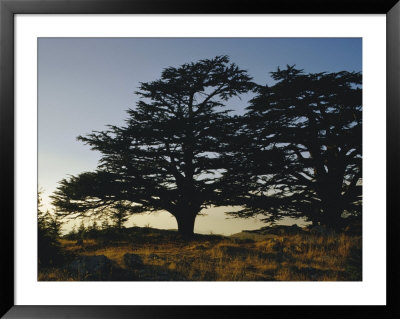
(120, 216)
(49, 249)
(300, 149)
(297, 152)
(72, 234)
(167, 157)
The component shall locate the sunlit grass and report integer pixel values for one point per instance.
(304, 257)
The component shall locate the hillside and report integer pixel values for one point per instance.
(287, 253)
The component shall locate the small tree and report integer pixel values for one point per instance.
(94, 226)
(49, 248)
(119, 216)
(93, 230)
(167, 157)
(105, 225)
(301, 149)
(54, 225)
(81, 230)
(72, 234)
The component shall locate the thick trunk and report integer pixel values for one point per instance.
(186, 224)
(332, 204)
(332, 216)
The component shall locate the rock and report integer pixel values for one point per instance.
(91, 267)
(133, 261)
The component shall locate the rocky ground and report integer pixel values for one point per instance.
(288, 253)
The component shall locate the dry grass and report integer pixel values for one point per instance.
(304, 257)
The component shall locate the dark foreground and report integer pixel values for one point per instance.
(271, 254)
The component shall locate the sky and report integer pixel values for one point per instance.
(85, 84)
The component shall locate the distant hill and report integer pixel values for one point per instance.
(353, 228)
(284, 253)
(269, 232)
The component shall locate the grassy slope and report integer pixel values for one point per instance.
(247, 256)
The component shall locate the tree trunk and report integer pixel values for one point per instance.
(186, 224)
(332, 217)
(332, 204)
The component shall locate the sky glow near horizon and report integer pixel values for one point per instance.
(85, 84)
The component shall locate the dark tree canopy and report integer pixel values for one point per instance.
(300, 151)
(167, 156)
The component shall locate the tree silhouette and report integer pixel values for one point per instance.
(49, 229)
(300, 151)
(167, 155)
(119, 216)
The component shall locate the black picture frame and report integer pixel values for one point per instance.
(8, 8)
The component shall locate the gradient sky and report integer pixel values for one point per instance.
(87, 83)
